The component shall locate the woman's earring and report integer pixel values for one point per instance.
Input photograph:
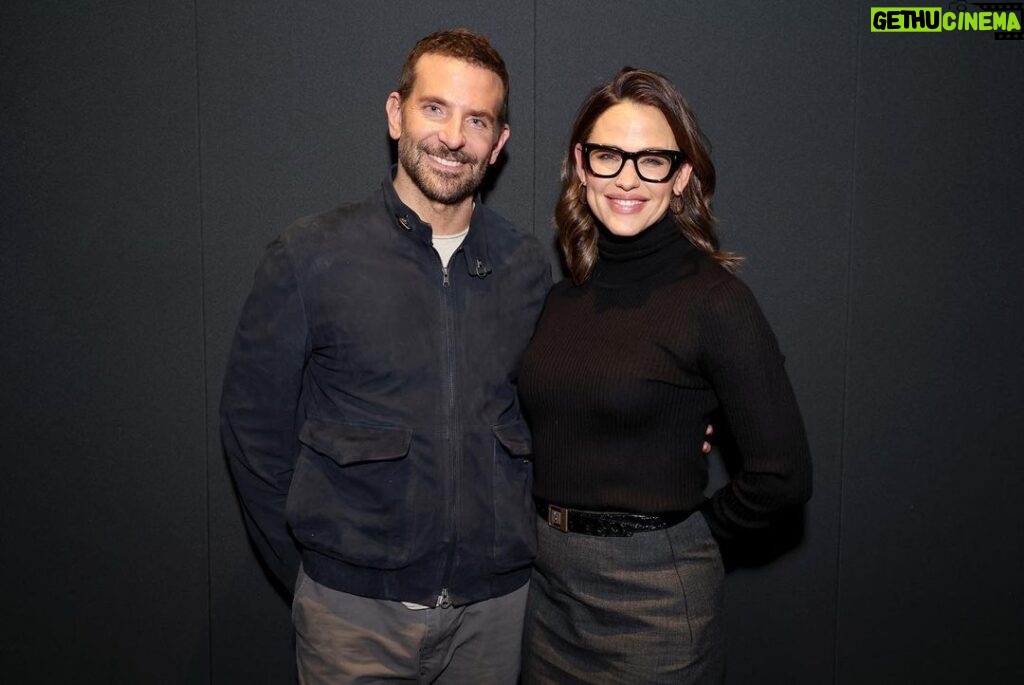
(676, 204)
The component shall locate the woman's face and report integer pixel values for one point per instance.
(627, 204)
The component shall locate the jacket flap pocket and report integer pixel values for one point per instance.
(515, 437)
(346, 443)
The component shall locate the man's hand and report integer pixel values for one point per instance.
(706, 449)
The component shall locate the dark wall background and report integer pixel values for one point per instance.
(150, 150)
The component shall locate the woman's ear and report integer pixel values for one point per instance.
(581, 173)
(682, 179)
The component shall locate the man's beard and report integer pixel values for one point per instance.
(438, 186)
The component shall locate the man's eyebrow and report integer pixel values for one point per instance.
(481, 114)
(422, 99)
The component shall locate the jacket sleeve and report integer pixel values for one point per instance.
(741, 357)
(260, 407)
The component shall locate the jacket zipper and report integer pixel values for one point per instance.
(447, 313)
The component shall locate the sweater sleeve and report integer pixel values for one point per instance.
(260, 408)
(741, 357)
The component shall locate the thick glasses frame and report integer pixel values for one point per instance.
(675, 156)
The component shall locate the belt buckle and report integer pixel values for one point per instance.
(558, 517)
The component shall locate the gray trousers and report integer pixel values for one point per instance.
(342, 638)
(636, 610)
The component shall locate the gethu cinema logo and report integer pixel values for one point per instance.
(1000, 17)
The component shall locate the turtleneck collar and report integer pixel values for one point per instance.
(629, 259)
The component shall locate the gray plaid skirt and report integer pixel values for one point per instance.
(639, 609)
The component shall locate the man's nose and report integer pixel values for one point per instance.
(451, 134)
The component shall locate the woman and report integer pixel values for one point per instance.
(649, 337)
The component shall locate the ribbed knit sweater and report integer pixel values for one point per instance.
(625, 372)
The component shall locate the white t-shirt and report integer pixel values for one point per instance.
(446, 245)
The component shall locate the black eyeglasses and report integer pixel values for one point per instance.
(654, 166)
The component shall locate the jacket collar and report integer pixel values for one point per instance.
(474, 247)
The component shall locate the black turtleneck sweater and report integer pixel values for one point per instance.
(625, 371)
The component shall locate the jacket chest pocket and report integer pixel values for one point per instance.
(351, 493)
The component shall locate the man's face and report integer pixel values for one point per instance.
(447, 128)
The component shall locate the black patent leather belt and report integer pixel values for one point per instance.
(606, 523)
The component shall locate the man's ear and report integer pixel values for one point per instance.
(502, 139)
(393, 107)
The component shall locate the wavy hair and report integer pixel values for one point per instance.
(577, 231)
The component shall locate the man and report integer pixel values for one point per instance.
(369, 411)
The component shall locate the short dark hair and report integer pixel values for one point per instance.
(577, 232)
(461, 44)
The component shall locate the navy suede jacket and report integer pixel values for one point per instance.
(369, 412)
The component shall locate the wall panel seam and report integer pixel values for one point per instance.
(533, 106)
(843, 430)
(206, 333)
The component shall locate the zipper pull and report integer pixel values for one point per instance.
(444, 281)
(443, 600)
